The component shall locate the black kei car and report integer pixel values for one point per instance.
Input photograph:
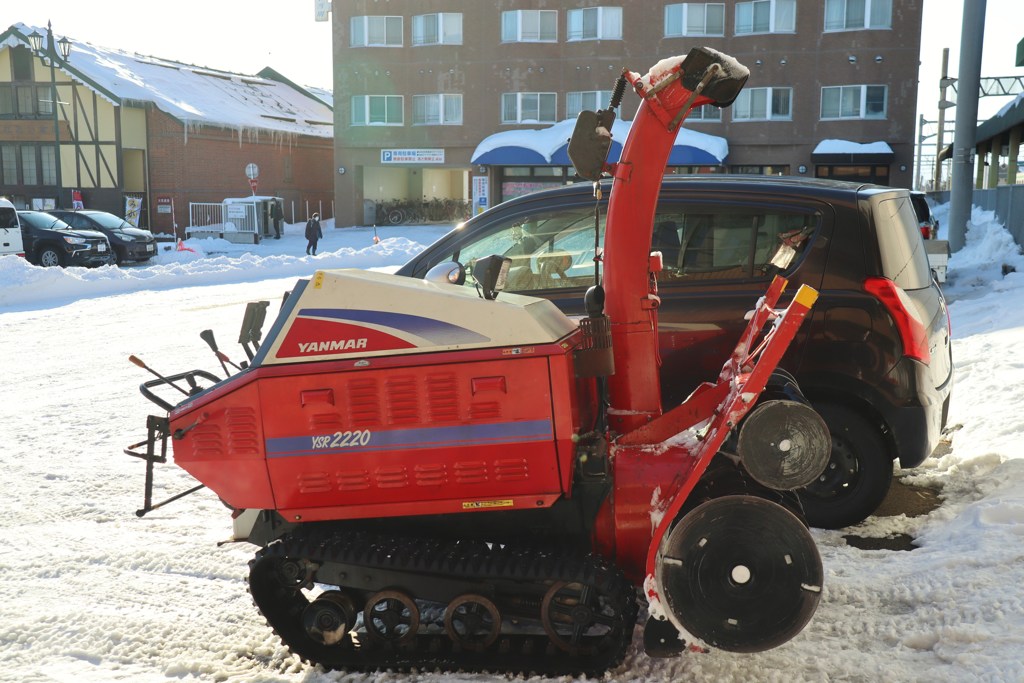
(128, 242)
(874, 357)
(49, 241)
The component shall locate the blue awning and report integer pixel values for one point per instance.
(549, 147)
(511, 155)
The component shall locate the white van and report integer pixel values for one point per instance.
(10, 230)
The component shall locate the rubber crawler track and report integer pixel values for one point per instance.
(516, 578)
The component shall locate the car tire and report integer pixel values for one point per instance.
(49, 257)
(118, 259)
(858, 474)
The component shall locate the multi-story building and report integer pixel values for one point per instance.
(422, 85)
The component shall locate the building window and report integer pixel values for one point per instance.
(529, 26)
(437, 29)
(766, 16)
(21, 64)
(529, 107)
(854, 102)
(854, 15)
(878, 174)
(377, 110)
(760, 170)
(8, 165)
(29, 168)
(437, 110)
(27, 105)
(706, 112)
(763, 104)
(6, 102)
(594, 23)
(694, 19)
(48, 165)
(376, 31)
(44, 97)
(585, 100)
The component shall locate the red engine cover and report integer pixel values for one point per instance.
(428, 434)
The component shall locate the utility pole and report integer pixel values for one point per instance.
(944, 82)
(972, 37)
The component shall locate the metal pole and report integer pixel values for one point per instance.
(939, 140)
(972, 37)
(51, 50)
(919, 176)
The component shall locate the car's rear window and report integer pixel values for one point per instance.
(921, 207)
(904, 260)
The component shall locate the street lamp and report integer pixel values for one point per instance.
(51, 55)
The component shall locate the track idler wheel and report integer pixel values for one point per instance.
(473, 622)
(391, 616)
(741, 573)
(577, 617)
(783, 444)
(330, 617)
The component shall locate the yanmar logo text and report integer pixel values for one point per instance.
(332, 345)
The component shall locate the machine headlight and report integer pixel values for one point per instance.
(75, 240)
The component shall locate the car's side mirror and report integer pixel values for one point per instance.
(447, 273)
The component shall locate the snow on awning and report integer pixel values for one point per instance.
(549, 147)
(846, 152)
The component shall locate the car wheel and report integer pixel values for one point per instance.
(118, 258)
(857, 477)
(50, 257)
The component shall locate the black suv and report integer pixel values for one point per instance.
(874, 357)
(49, 241)
(128, 242)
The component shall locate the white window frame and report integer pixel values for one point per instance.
(361, 110)
(585, 100)
(837, 11)
(742, 108)
(550, 97)
(707, 113)
(449, 28)
(781, 17)
(607, 24)
(685, 9)
(859, 95)
(359, 30)
(513, 31)
(447, 106)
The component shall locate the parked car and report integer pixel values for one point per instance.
(49, 241)
(10, 230)
(128, 242)
(937, 250)
(874, 357)
(928, 224)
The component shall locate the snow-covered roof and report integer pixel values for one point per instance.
(847, 147)
(550, 143)
(192, 94)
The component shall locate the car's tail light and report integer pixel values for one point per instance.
(912, 332)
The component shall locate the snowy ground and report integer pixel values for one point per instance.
(89, 592)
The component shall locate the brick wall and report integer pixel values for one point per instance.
(207, 164)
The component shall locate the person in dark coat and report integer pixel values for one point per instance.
(276, 217)
(313, 233)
